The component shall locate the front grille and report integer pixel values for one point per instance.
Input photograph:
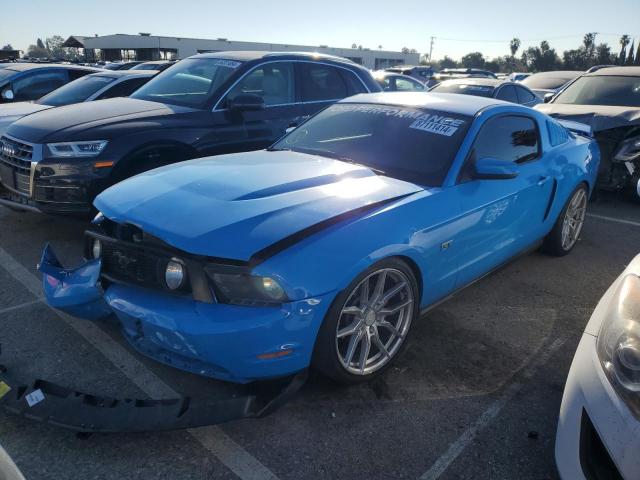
(15, 164)
(123, 263)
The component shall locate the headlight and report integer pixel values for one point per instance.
(245, 289)
(174, 275)
(96, 248)
(77, 149)
(629, 150)
(618, 343)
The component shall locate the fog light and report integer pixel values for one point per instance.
(96, 248)
(174, 275)
(272, 288)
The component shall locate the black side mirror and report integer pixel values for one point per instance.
(495, 169)
(548, 96)
(246, 102)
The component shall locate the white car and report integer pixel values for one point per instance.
(599, 427)
(8, 469)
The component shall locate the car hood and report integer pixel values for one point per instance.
(233, 206)
(78, 118)
(599, 117)
(10, 112)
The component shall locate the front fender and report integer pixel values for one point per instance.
(75, 291)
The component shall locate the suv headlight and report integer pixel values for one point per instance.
(618, 343)
(629, 150)
(246, 289)
(77, 149)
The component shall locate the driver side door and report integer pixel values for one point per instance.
(501, 217)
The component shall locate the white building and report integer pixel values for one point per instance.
(151, 47)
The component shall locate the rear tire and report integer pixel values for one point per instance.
(366, 328)
(566, 231)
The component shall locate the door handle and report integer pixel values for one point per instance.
(543, 180)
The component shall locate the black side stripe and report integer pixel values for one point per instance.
(277, 247)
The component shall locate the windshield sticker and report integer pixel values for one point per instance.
(226, 63)
(437, 124)
(381, 110)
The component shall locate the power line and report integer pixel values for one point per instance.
(557, 37)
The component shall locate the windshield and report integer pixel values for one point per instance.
(148, 66)
(6, 73)
(190, 82)
(465, 88)
(416, 145)
(76, 91)
(602, 90)
(547, 82)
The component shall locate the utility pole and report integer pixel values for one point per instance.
(431, 48)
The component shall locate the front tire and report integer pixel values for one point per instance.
(566, 231)
(366, 328)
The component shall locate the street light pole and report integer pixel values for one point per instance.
(431, 48)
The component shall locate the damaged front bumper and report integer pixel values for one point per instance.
(228, 342)
(47, 402)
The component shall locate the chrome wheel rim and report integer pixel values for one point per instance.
(374, 321)
(574, 219)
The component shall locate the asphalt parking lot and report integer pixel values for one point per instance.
(475, 396)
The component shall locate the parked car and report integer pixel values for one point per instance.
(454, 73)
(599, 426)
(95, 86)
(395, 82)
(545, 83)
(323, 249)
(20, 82)
(609, 101)
(8, 469)
(58, 160)
(422, 73)
(487, 87)
(518, 76)
(121, 65)
(158, 65)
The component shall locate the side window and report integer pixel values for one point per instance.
(124, 88)
(507, 93)
(271, 81)
(322, 82)
(37, 84)
(354, 84)
(525, 96)
(511, 138)
(405, 85)
(75, 74)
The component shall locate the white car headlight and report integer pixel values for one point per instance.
(77, 149)
(618, 343)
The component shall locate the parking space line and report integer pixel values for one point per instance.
(18, 307)
(213, 439)
(613, 219)
(485, 419)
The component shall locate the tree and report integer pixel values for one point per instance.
(630, 60)
(589, 47)
(447, 62)
(54, 45)
(541, 59)
(604, 55)
(39, 44)
(354, 46)
(637, 62)
(574, 59)
(7, 47)
(624, 41)
(514, 46)
(37, 52)
(473, 60)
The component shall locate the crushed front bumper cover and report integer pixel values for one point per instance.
(47, 402)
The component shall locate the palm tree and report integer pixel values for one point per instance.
(624, 41)
(514, 45)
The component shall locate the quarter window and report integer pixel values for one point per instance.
(322, 82)
(405, 85)
(271, 81)
(525, 96)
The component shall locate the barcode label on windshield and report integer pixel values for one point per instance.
(443, 126)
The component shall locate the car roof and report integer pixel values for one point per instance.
(156, 62)
(245, 56)
(22, 67)
(568, 74)
(468, 105)
(616, 71)
(488, 82)
(124, 73)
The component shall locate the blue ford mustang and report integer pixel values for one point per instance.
(324, 249)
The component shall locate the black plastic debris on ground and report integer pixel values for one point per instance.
(47, 402)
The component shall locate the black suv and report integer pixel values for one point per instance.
(58, 160)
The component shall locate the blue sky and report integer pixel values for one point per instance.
(460, 26)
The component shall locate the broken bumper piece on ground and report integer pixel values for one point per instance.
(47, 402)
